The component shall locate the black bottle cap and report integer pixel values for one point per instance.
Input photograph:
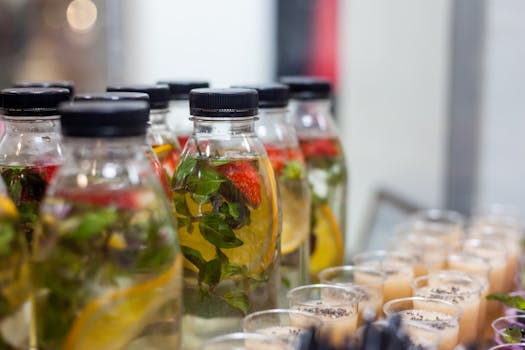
(307, 88)
(223, 102)
(104, 118)
(159, 94)
(65, 84)
(112, 96)
(270, 95)
(32, 101)
(180, 89)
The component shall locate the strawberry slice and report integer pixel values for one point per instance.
(245, 177)
(277, 156)
(325, 147)
(126, 199)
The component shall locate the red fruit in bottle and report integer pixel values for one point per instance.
(278, 157)
(245, 177)
(325, 147)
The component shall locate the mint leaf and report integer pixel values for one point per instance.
(294, 170)
(237, 300)
(92, 224)
(219, 162)
(194, 256)
(7, 233)
(205, 182)
(232, 269)
(211, 273)
(215, 230)
(185, 167)
(512, 334)
(234, 209)
(515, 302)
(181, 208)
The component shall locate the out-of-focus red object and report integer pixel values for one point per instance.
(324, 51)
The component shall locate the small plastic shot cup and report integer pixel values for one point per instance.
(366, 280)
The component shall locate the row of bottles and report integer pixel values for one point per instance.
(257, 194)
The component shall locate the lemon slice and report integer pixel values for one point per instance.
(111, 321)
(7, 207)
(296, 223)
(329, 248)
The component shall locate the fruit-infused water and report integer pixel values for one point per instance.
(227, 210)
(282, 147)
(30, 150)
(107, 270)
(14, 270)
(310, 113)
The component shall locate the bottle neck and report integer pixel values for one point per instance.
(322, 106)
(223, 127)
(158, 116)
(115, 148)
(15, 126)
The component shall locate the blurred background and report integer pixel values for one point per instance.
(428, 94)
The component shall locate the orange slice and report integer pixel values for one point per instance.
(7, 207)
(112, 320)
(329, 250)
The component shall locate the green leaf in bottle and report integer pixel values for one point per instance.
(205, 182)
(90, 224)
(211, 272)
(215, 230)
(185, 167)
(194, 256)
(237, 300)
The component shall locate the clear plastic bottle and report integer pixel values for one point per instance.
(148, 149)
(30, 150)
(228, 215)
(282, 147)
(107, 270)
(310, 112)
(160, 137)
(179, 117)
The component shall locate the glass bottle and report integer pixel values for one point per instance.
(107, 270)
(160, 137)
(282, 147)
(64, 84)
(30, 150)
(148, 149)
(179, 117)
(228, 215)
(14, 269)
(310, 113)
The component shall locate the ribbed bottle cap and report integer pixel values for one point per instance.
(104, 119)
(159, 95)
(307, 88)
(223, 102)
(270, 95)
(180, 89)
(112, 96)
(32, 101)
(65, 84)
